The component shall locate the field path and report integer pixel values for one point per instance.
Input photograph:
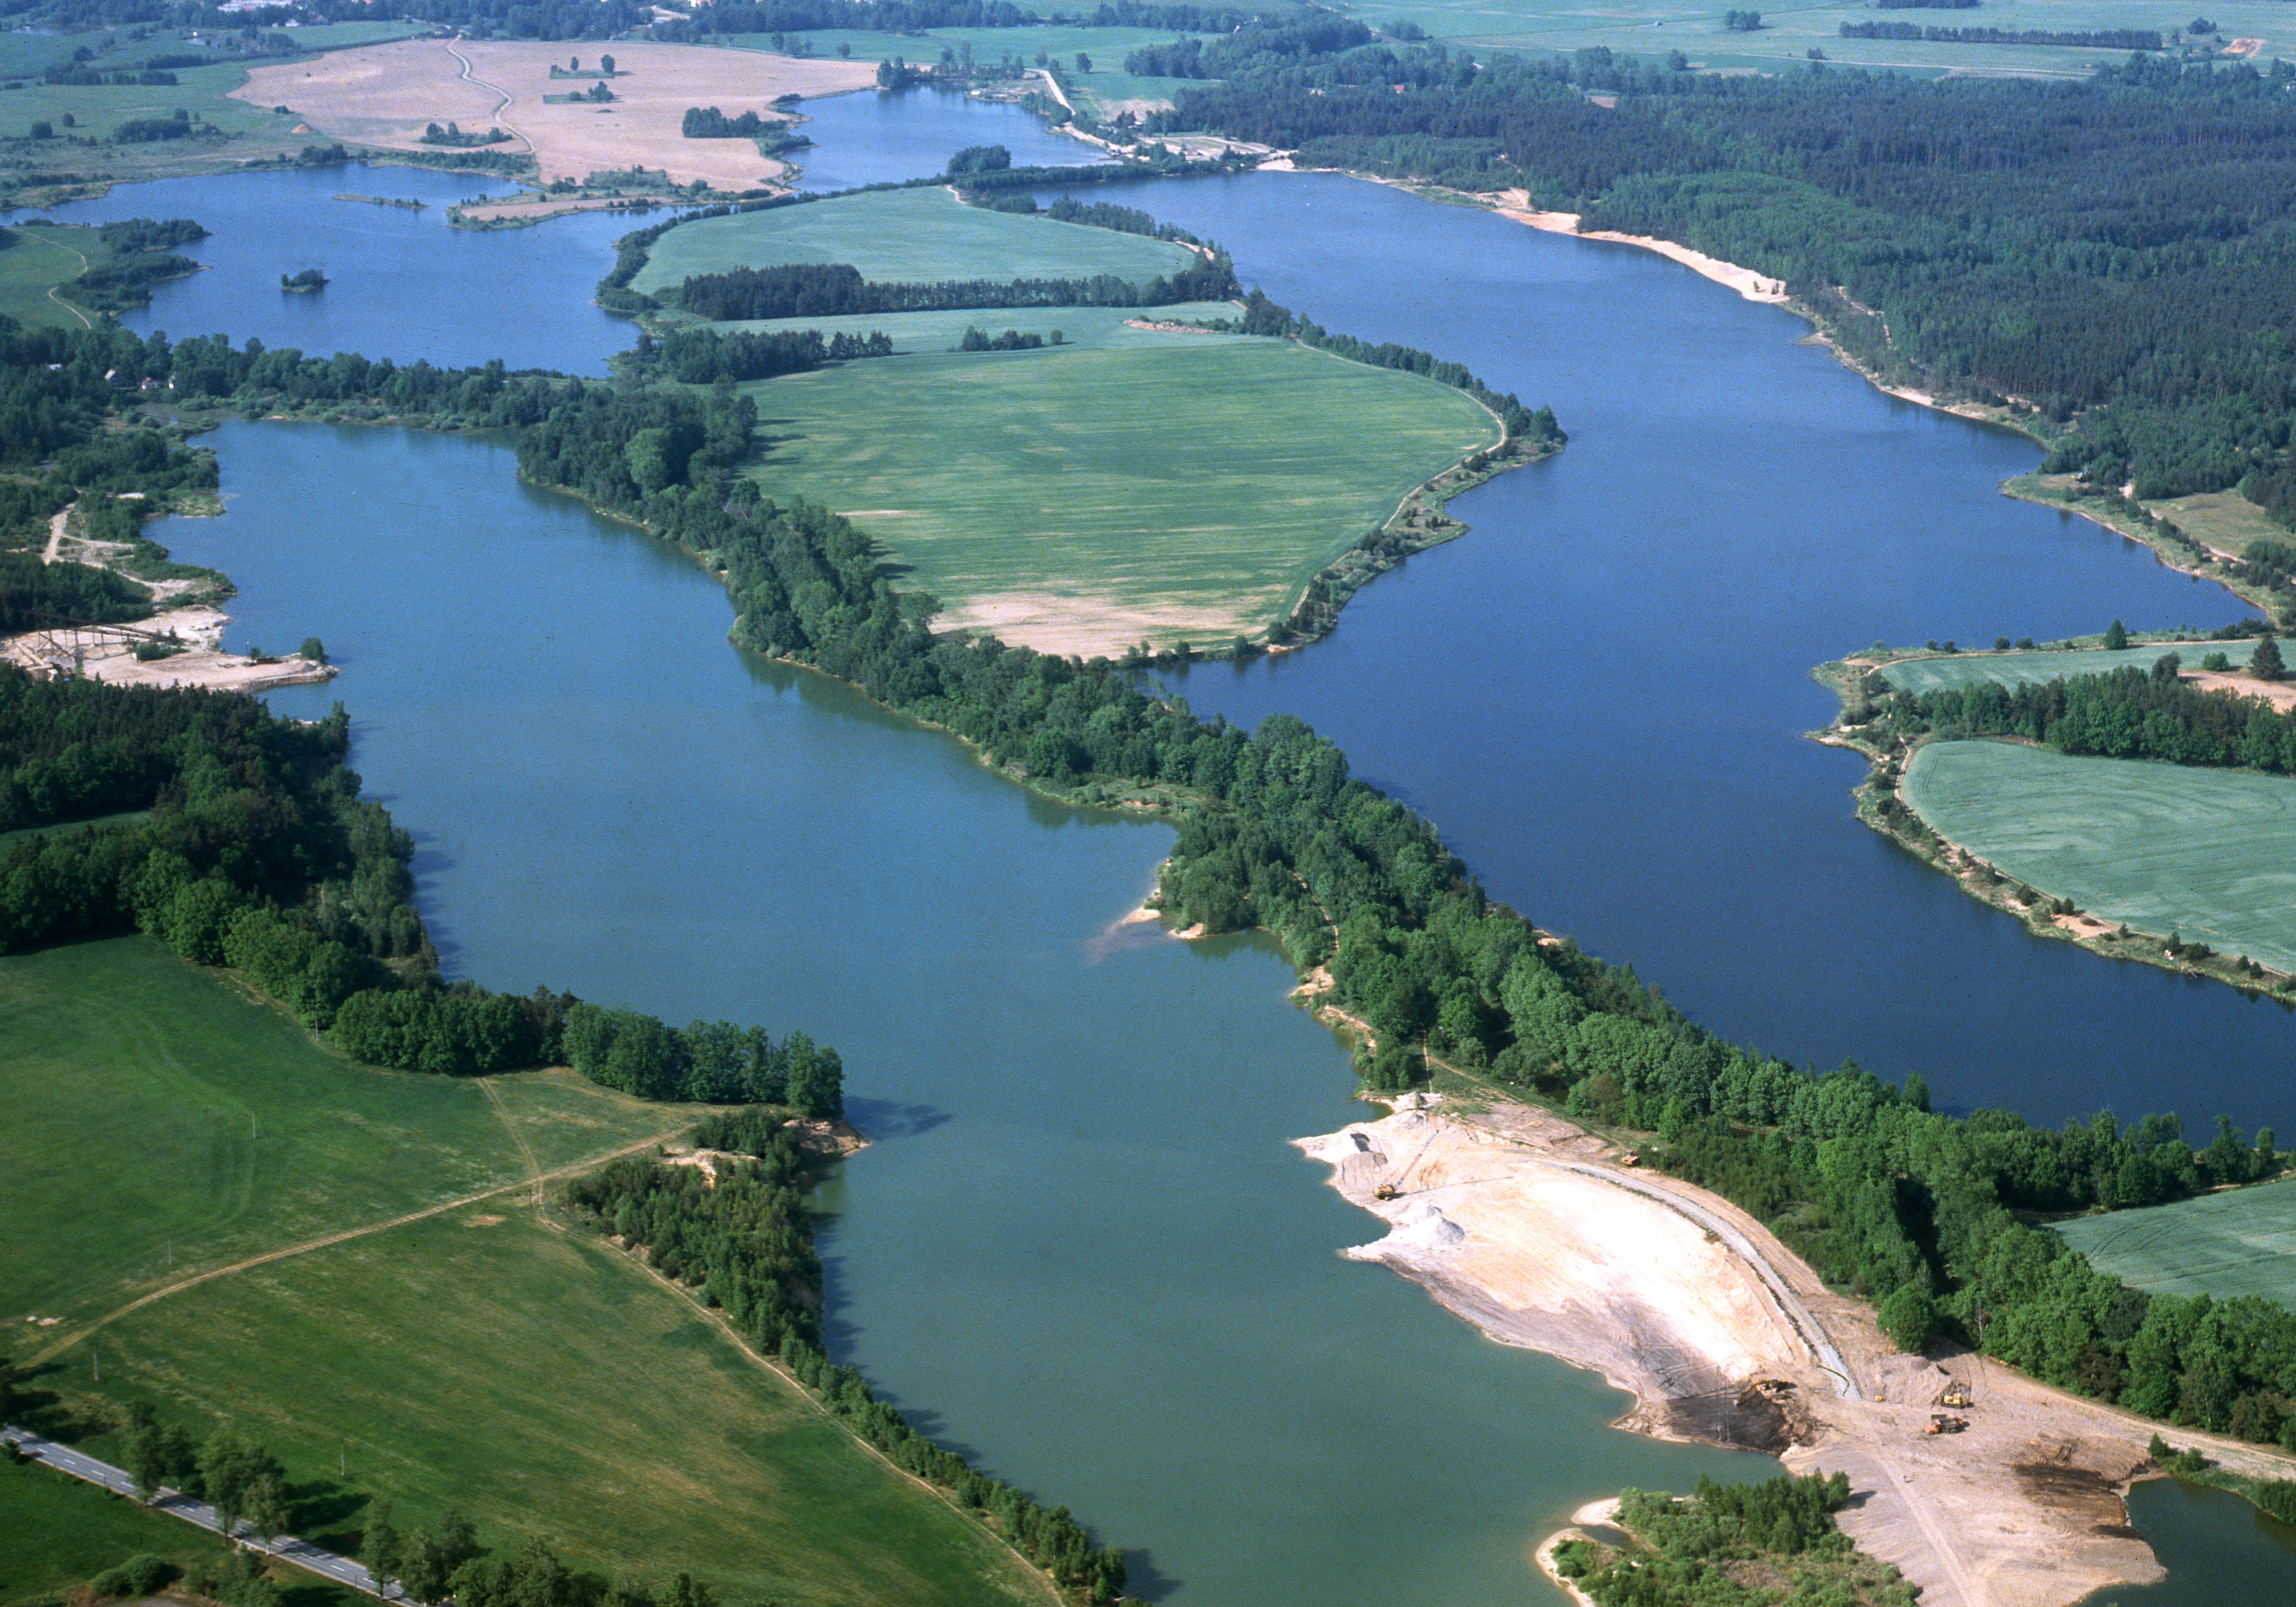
(55, 548)
(535, 1180)
(84, 320)
(508, 99)
(510, 1126)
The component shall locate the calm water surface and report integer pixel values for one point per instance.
(1081, 1244)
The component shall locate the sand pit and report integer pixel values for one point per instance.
(103, 653)
(1528, 1227)
(384, 96)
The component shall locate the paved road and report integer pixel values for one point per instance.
(342, 1570)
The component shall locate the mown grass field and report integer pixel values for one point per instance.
(907, 236)
(540, 1380)
(1789, 33)
(2208, 854)
(2041, 666)
(2221, 1245)
(1082, 498)
(485, 1355)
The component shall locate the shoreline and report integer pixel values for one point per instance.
(1535, 1230)
(1880, 803)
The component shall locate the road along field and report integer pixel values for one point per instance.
(2240, 1242)
(210, 1212)
(2209, 855)
(385, 95)
(1125, 483)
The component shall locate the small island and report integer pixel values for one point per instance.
(311, 282)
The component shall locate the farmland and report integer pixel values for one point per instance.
(162, 1125)
(2161, 848)
(2243, 1241)
(907, 236)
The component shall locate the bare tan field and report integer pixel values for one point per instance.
(1531, 1228)
(383, 95)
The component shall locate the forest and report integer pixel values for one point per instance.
(743, 1239)
(2114, 260)
(808, 289)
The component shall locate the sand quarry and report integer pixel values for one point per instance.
(384, 96)
(1534, 1230)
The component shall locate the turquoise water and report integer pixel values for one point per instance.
(1081, 1248)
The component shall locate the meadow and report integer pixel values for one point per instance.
(2209, 855)
(2242, 1241)
(161, 1123)
(1085, 497)
(1789, 33)
(498, 1360)
(1104, 90)
(2039, 666)
(907, 236)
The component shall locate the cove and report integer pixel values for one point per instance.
(1081, 1249)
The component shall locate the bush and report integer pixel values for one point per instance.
(144, 1573)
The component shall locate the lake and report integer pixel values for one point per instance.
(1080, 1247)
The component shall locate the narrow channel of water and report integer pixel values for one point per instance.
(1081, 1247)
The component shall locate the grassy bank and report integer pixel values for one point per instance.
(483, 1355)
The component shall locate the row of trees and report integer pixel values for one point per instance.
(743, 1239)
(696, 356)
(2129, 713)
(834, 289)
(2101, 38)
(1915, 1209)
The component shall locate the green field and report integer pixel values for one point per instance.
(62, 1532)
(2041, 666)
(2242, 1241)
(1085, 497)
(1790, 32)
(2209, 854)
(907, 236)
(541, 1380)
(159, 1124)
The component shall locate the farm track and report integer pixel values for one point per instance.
(535, 1180)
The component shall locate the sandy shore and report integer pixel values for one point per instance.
(108, 653)
(1532, 1229)
(1747, 282)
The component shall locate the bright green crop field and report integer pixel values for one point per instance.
(2208, 854)
(1082, 498)
(159, 1124)
(540, 1380)
(907, 236)
(2243, 1241)
(1789, 33)
(2041, 666)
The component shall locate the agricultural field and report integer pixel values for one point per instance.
(543, 1381)
(161, 1124)
(907, 236)
(1788, 35)
(2242, 1241)
(2208, 853)
(2039, 666)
